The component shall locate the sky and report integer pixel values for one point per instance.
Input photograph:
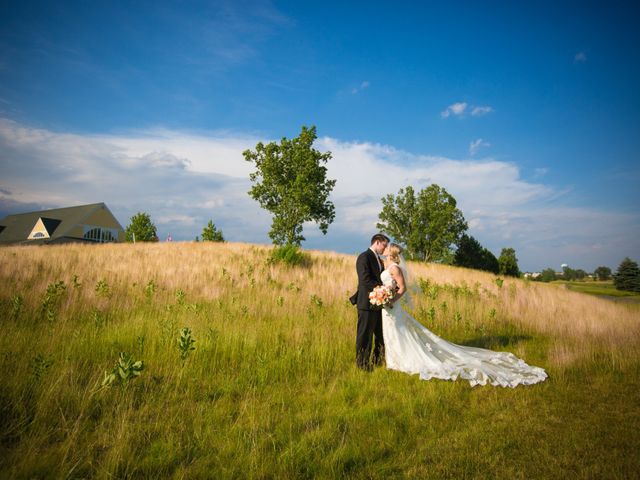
(525, 112)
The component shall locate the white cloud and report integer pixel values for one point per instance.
(476, 145)
(457, 109)
(184, 179)
(460, 109)
(580, 57)
(540, 172)
(479, 111)
(360, 87)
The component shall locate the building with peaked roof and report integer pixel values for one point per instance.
(92, 223)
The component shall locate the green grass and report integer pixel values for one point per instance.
(606, 288)
(271, 390)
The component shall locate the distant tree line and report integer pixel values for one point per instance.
(142, 229)
(627, 277)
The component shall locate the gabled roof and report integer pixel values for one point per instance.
(57, 221)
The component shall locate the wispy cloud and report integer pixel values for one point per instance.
(457, 109)
(364, 85)
(580, 57)
(460, 109)
(476, 145)
(183, 179)
(479, 111)
(540, 172)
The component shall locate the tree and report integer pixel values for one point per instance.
(427, 224)
(579, 274)
(568, 273)
(211, 234)
(141, 229)
(508, 262)
(291, 182)
(547, 275)
(627, 276)
(602, 273)
(471, 254)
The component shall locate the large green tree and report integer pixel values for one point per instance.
(291, 182)
(427, 224)
(211, 234)
(508, 262)
(471, 254)
(627, 276)
(141, 229)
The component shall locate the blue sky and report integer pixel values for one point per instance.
(527, 114)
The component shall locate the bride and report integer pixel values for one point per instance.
(412, 348)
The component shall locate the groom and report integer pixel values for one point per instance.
(369, 266)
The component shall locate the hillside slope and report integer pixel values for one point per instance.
(271, 389)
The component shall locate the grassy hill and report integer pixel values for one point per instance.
(271, 390)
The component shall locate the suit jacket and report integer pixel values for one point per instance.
(369, 271)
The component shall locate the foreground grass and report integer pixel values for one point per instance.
(271, 390)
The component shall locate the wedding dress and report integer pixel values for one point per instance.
(412, 348)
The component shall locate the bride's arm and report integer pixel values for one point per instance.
(396, 274)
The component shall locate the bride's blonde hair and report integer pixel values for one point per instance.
(394, 252)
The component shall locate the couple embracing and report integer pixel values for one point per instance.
(391, 334)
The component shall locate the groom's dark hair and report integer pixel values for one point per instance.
(378, 237)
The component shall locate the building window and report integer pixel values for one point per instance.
(101, 235)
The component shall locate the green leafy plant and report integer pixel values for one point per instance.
(39, 366)
(317, 301)
(99, 318)
(102, 289)
(185, 343)
(75, 282)
(180, 296)
(17, 303)
(140, 339)
(51, 300)
(499, 282)
(125, 369)
(150, 289)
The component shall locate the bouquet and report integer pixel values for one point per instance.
(381, 296)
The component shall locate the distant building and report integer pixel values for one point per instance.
(84, 223)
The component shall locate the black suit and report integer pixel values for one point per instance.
(369, 320)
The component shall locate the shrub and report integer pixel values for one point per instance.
(290, 255)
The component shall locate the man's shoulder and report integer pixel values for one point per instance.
(365, 253)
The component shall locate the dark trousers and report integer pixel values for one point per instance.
(369, 326)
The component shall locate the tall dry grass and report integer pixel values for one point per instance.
(579, 322)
